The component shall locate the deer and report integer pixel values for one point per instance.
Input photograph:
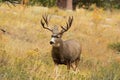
(66, 52)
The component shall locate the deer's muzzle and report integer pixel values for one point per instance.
(52, 41)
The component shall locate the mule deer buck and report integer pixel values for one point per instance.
(63, 52)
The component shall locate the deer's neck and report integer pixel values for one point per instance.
(60, 45)
(57, 51)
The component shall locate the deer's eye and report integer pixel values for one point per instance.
(55, 36)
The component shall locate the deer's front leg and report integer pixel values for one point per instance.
(56, 69)
(68, 65)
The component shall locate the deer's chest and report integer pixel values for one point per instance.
(57, 56)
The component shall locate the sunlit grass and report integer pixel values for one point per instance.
(25, 53)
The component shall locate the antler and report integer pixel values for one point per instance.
(68, 25)
(45, 18)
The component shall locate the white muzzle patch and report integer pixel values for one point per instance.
(53, 40)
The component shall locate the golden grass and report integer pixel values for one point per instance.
(27, 44)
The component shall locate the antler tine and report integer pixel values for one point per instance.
(46, 21)
(42, 22)
(68, 25)
(70, 21)
(63, 28)
(45, 18)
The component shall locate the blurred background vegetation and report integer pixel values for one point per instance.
(80, 3)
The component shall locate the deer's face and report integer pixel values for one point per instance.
(55, 37)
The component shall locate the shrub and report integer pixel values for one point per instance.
(109, 72)
(115, 46)
(48, 3)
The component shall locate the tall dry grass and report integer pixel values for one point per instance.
(25, 53)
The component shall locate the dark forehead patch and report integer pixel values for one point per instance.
(55, 36)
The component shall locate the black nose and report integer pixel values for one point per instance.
(51, 42)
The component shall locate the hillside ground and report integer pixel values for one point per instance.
(25, 52)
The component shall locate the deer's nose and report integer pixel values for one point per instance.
(51, 42)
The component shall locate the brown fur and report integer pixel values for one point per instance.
(67, 53)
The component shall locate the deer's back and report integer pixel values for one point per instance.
(71, 50)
